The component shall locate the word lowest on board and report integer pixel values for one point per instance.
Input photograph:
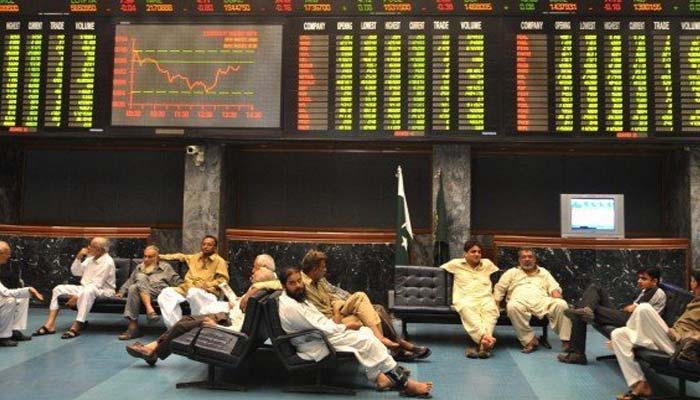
(219, 76)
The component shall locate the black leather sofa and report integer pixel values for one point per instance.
(424, 295)
(124, 268)
(661, 363)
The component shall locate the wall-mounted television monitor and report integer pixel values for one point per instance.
(593, 215)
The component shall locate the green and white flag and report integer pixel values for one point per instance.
(404, 232)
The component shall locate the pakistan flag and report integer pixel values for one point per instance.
(404, 232)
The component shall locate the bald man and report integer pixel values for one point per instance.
(14, 305)
(98, 278)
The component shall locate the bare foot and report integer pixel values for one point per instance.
(393, 346)
(642, 389)
(416, 388)
(383, 382)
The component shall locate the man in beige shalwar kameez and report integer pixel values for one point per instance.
(472, 298)
(532, 290)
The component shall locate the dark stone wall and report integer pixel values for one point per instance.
(45, 262)
(614, 270)
(354, 267)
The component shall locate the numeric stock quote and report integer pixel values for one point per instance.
(352, 69)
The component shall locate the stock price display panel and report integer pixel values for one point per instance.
(47, 74)
(221, 76)
(396, 77)
(629, 78)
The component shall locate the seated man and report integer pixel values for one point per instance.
(357, 307)
(645, 328)
(532, 290)
(98, 279)
(14, 305)
(297, 314)
(261, 262)
(232, 318)
(595, 308)
(473, 300)
(145, 283)
(207, 270)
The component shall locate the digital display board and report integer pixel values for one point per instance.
(197, 76)
(396, 77)
(48, 74)
(356, 69)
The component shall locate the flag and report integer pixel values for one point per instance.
(441, 246)
(404, 232)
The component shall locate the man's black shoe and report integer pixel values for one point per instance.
(20, 337)
(7, 342)
(572, 358)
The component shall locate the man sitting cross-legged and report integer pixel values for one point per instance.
(297, 314)
(595, 308)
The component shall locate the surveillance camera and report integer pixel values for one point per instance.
(192, 150)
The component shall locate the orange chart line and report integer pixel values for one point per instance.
(136, 57)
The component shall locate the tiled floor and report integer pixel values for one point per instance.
(95, 366)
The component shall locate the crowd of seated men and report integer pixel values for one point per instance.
(350, 320)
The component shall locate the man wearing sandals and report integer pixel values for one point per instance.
(645, 328)
(473, 299)
(98, 278)
(297, 314)
(207, 270)
(532, 290)
(145, 283)
(14, 305)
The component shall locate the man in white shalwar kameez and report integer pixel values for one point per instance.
(297, 314)
(14, 306)
(532, 290)
(98, 278)
(472, 298)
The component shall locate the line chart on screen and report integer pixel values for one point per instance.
(197, 75)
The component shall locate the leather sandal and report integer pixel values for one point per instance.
(130, 334)
(43, 331)
(532, 346)
(70, 334)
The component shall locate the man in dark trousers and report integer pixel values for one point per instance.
(595, 308)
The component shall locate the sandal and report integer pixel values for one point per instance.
(130, 334)
(70, 334)
(630, 396)
(43, 331)
(153, 317)
(421, 352)
(404, 393)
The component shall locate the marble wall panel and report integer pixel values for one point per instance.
(202, 198)
(353, 267)
(614, 270)
(455, 163)
(45, 262)
(167, 240)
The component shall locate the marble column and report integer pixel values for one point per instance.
(694, 178)
(201, 209)
(454, 160)
(10, 170)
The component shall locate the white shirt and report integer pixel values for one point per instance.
(21, 293)
(99, 272)
(299, 316)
